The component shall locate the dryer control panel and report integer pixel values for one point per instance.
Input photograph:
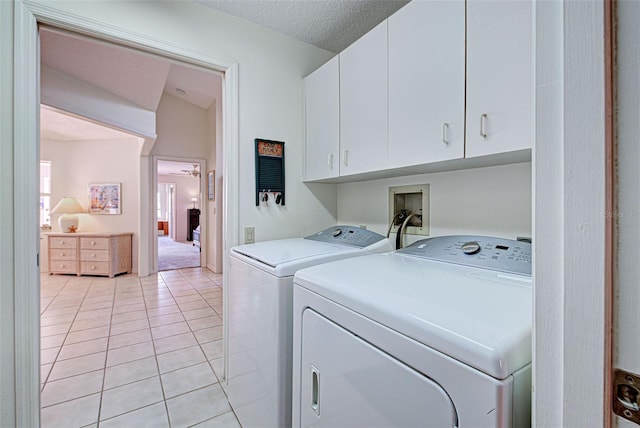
(347, 235)
(504, 255)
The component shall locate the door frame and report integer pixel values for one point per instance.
(26, 100)
(203, 208)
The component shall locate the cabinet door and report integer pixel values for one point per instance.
(322, 122)
(363, 103)
(426, 83)
(499, 77)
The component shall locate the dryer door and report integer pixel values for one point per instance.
(346, 381)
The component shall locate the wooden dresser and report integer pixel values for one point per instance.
(105, 254)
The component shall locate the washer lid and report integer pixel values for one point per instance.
(284, 257)
(479, 317)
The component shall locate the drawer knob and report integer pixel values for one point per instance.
(62, 266)
(62, 254)
(93, 267)
(93, 243)
(93, 255)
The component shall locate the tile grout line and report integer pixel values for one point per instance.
(106, 354)
(208, 285)
(55, 360)
(209, 361)
(139, 284)
(202, 350)
(44, 383)
(155, 354)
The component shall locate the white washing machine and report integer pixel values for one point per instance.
(260, 316)
(437, 334)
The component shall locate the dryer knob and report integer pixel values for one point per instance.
(337, 232)
(471, 247)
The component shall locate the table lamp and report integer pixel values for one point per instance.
(68, 207)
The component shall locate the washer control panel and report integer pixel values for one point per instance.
(347, 235)
(504, 255)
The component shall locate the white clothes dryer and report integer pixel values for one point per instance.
(260, 316)
(437, 334)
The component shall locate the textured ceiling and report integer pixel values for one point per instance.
(329, 24)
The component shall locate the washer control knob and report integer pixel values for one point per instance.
(337, 232)
(471, 247)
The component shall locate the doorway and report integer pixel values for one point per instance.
(148, 180)
(180, 236)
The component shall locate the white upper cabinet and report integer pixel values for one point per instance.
(322, 122)
(426, 83)
(364, 103)
(499, 77)
(441, 84)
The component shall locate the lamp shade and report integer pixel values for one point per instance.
(67, 206)
(68, 222)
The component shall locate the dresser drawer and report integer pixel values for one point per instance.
(62, 254)
(61, 266)
(95, 243)
(94, 268)
(103, 254)
(94, 255)
(60, 242)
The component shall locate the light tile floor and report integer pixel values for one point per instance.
(133, 352)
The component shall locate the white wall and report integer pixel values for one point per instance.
(271, 67)
(76, 164)
(494, 201)
(182, 129)
(627, 215)
(186, 188)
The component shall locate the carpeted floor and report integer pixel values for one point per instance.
(176, 255)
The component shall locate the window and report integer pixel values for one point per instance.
(45, 193)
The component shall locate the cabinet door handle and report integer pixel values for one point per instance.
(345, 157)
(445, 129)
(330, 160)
(483, 122)
(315, 390)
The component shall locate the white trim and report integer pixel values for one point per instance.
(26, 86)
(7, 235)
(26, 108)
(569, 228)
(97, 29)
(145, 229)
(230, 202)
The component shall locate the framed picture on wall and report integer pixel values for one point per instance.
(211, 185)
(105, 198)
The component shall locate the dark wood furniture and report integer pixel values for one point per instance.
(193, 221)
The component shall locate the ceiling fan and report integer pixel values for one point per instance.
(192, 172)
